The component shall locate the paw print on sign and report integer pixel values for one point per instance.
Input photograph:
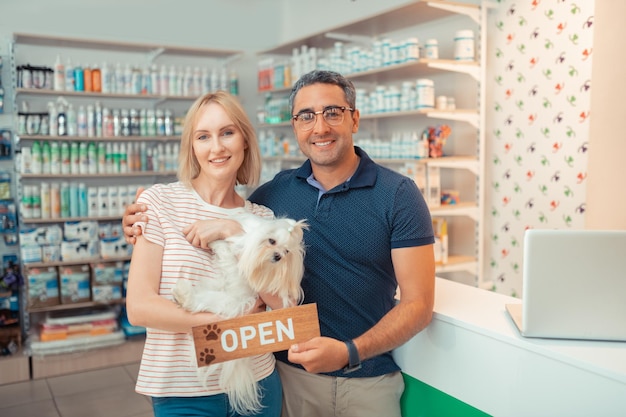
(212, 332)
(206, 356)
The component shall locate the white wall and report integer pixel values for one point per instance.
(228, 24)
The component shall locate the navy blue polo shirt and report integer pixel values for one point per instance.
(352, 230)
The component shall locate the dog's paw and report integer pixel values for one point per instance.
(182, 292)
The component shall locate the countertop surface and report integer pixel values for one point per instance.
(484, 312)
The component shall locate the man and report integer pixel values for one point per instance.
(370, 233)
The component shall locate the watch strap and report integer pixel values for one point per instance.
(354, 362)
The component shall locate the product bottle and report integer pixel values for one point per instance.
(87, 79)
(74, 158)
(143, 156)
(168, 123)
(120, 83)
(45, 200)
(72, 122)
(79, 78)
(101, 158)
(55, 158)
(81, 117)
(173, 81)
(92, 158)
(233, 83)
(98, 120)
(109, 158)
(155, 81)
(59, 74)
(123, 158)
(107, 123)
(164, 81)
(69, 76)
(36, 199)
(96, 79)
(65, 199)
(45, 157)
(188, 82)
(61, 120)
(36, 157)
(91, 121)
(128, 79)
(106, 78)
(197, 81)
(83, 158)
(55, 200)
(66, 162)
(224, 79)
(83, 207)
(53, 118)
(215, 80)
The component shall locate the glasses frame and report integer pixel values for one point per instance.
(316, 113)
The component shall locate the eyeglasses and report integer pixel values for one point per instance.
(332, 115)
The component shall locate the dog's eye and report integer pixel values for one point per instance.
(272, 241)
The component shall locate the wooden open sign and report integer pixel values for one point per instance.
(255, 334)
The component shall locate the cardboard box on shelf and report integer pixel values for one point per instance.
(75, 284)
(42, 286)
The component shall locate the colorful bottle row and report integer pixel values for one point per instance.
(52, 157)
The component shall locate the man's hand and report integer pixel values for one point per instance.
(201, 233)
(320, 354)
(132, 214)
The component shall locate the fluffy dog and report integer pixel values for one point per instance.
(267, 257)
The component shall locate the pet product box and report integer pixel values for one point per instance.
(75, 284)
(106, 293)
(76, 250)
(107, 273)
(43, 286)
(51, 253)
(43, 235)
(115, 247)
(30, 253)
(84, 231)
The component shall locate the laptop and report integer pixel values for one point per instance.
(574, 285)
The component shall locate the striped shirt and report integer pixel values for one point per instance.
(168, 365)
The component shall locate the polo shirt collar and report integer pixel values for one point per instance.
(364, 176)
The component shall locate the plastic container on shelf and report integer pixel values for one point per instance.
(431, 49)
(464, 45)
(425, 89)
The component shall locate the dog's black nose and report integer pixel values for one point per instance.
(277, 257)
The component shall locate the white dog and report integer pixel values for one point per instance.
(267, 257)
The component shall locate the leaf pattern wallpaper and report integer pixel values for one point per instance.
(538, 107)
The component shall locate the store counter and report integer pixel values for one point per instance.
(473, 354)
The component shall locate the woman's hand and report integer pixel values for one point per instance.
(201, 233)
(132, 214)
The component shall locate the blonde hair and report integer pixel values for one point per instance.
(188, 167)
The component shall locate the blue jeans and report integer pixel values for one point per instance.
(217, 405)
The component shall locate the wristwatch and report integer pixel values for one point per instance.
(354, 362)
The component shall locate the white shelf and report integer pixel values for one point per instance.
(94, 94)
(116, 175)
(71, 219)
(99, 139)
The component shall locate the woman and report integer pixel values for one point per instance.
(219, 150)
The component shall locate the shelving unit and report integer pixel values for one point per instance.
(465, 156)
(42, 50)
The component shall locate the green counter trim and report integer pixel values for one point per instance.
(421, 400)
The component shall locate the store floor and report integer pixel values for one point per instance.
(103, 392)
